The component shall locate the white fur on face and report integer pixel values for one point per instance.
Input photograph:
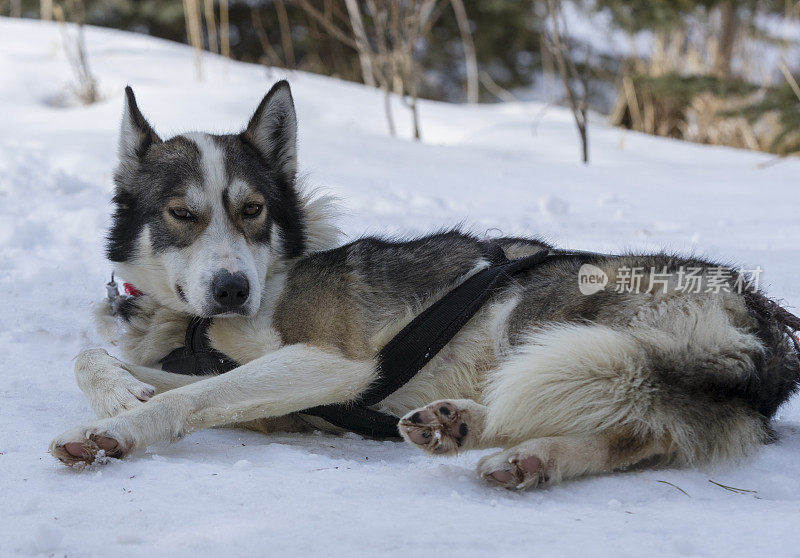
(220, 247)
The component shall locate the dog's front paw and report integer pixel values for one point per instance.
(108, 385)
(443, 427)
(117, 396)
(87, 444)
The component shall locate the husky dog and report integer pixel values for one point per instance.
(563, 384)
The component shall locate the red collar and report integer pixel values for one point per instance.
(130, 290)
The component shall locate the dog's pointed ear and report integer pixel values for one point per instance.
(136, 135)
(273, 130)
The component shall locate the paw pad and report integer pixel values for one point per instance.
(440, 428)
(88, 450)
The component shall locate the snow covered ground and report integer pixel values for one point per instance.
(494, 168)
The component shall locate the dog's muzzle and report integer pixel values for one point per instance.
(230, 291)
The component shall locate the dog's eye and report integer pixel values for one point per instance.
(181, 213)
(252, 209)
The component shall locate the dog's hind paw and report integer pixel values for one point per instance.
(88, 444)
(519, 469)
(443, 427)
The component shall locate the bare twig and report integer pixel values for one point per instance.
(789, 78)
(361, 40)
(431, 12)
(727, 38)
(46, 10)
(384, 35)
(85, 87)
(381, 55)
(493, 88)
(674, 486)
(733, 488)
(261, 33)
(191, 12)
(330, 27)
(567, 70)
(224, 29)
(469, 50)
(286, 33)
(211, 25)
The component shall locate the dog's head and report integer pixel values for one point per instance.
(200, 219)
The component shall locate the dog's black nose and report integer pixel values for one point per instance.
(230, 290)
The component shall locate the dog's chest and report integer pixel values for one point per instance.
(245, 339)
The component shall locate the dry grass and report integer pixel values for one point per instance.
(74, 43)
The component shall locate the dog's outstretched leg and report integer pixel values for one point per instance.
(161, 380)
(291, 379)
(446, 427)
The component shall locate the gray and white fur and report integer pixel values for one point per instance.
(562, 384)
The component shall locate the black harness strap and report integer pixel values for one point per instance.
(196, 357)
(417, 343)
(359, 419)
(427, 334)
(399, 360)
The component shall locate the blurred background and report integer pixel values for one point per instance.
(505, 97)
(711, 71)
